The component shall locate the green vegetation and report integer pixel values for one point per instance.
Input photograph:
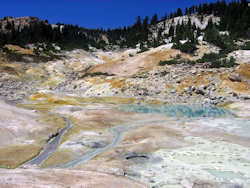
(170, 62)
(142, 50)
(223, 63)
(213, 36)
(246, 46)
(4, 167)
(215, 60)
(211, 57)
(96, 74)
(175, 61)
(187, 47)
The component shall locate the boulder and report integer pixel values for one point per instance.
(245, 97)
(200, 91)
(234, 78)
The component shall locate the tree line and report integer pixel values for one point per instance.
(235, 18)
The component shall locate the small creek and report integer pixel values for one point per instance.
(51, 146)
(117, 132)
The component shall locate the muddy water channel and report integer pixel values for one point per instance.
(156, 144)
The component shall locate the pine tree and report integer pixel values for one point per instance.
(154, 19)
(171, 31)
(145, 23)
(179, 12)
(138, 23)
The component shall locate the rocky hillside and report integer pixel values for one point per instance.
(200, 22)
(18, 23)
(183, 58)
(162, 73)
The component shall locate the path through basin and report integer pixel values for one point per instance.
(51, 146)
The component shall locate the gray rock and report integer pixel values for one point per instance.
(200, 91)
(137, 158)
(201, 184)
(203, 87)
(207, 101)
(186, 183)
(178, 81)
(173, 91)
(234, 78)
(213, 97)
(245, 97)
(186, 89)
(193, 71)
(193, 88)
(235, 95)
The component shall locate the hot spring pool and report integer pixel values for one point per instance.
(185, 111)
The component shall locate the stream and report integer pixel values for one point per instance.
(51, 146)
(117, 132)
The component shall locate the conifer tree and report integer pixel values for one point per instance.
(179, 12)
(154, 19)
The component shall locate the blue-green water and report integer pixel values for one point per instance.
(225, 174)
(186, 111)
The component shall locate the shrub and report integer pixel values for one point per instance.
(171, 62)
(96, 74)
(217, 60)
(223, 63)
(246, 46)
(211, 57)
(176, 60)
(187, 47)
(143, 49)
(178, 56)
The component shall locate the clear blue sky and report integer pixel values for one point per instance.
(92, 13)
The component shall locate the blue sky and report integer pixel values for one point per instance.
(92, 13)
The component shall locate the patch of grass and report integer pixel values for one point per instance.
(4, 167)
